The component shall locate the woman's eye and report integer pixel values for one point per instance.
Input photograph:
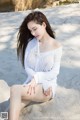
(35, 29)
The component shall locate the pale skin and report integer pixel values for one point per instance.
(22, 95)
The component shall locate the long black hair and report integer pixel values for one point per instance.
(24, 34)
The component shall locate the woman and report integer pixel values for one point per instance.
(40, 54)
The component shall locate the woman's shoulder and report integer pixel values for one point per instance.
(32, 41)
(31, 44)
(56, 44)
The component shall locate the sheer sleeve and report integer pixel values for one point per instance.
(28, 70)
(40, 77)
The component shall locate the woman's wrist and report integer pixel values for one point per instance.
(33, 81)
(36, 78)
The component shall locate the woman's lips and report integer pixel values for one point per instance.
(37, 36)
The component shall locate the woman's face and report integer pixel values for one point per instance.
(36, 29)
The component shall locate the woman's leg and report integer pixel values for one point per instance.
(19, 93)
(24, 103)
(16, 102)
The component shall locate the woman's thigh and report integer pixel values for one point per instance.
(38, 96)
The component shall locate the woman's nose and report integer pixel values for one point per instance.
(33, 33)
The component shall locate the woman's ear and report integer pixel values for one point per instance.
(44, 24)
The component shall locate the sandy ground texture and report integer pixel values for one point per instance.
(65, 20)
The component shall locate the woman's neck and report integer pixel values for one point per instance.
(46, 38)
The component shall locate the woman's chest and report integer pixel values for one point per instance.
(43, 61)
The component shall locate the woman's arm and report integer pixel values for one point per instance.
(29, 71)
(30, 45)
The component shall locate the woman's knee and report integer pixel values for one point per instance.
(15, 89)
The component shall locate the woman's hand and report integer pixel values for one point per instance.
(31, 87)
(48, 91)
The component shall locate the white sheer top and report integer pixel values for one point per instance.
(43, 66)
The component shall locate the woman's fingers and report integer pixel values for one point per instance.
(48, 91)
(48, 94)
(34, 90)
(31, 89)
(29, 86)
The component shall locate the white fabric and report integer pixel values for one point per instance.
(44, 67)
